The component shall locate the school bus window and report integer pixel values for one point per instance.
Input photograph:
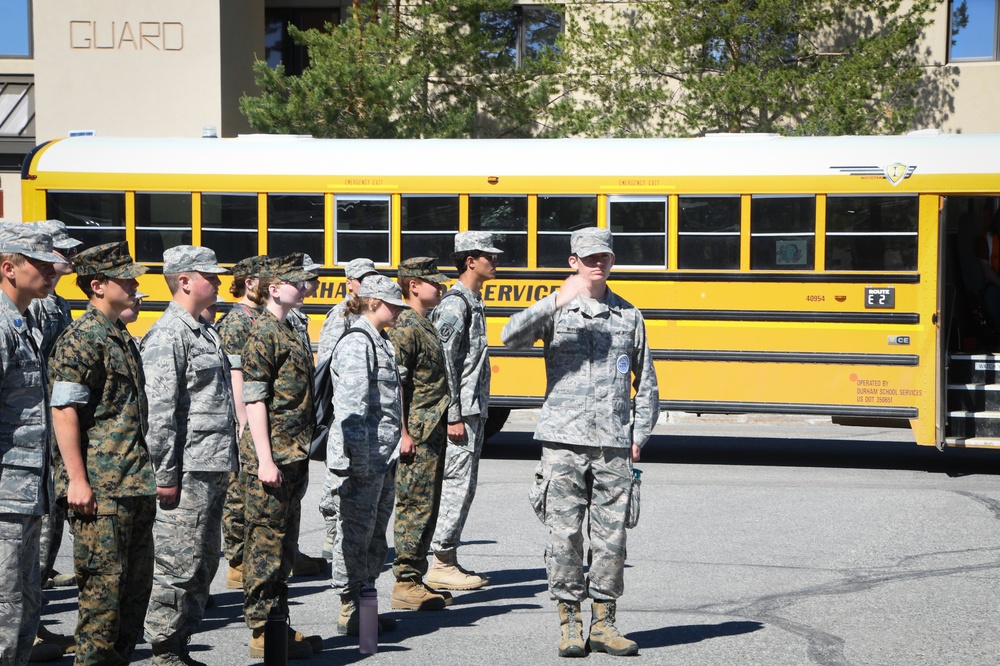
(782, 233)
(507, 218)
(294, 224)
(640, 227)
(229, 225)
(428, 226)
(708, 233)
(91, 217)
(361, 228)
(558, 217)
(162, 220)
(871, 233)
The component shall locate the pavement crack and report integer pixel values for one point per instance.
(990, 503)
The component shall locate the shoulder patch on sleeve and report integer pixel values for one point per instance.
(446, 330)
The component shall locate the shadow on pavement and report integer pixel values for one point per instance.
(691, 633)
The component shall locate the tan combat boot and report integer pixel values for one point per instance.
(296, 649)
(411, 594)
(234, 577)
(604, 635)
(347, 622)
(446, 574)
(571, 627)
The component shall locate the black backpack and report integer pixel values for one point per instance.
(323, 398)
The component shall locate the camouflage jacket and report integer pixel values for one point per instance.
(300, 322)
(466, 353)
(52, 316)
(367, 404)
(420, 358)
(234, 329)
(190, 397)
(278, 371)
(337, 321)
(95, 368)
(595, 354)
(25, 481)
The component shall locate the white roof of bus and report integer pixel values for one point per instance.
(714, 155)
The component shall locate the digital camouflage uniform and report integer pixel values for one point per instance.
(361, 452)
(596, 353)
(25, 482)
(278, 371)
(420, 359)
(234, 329)
(52, 315)
(467, 359)
(95, 369)
(192, 440)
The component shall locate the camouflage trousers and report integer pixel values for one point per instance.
(364, 504)
(573, 484)
(328, 503)
(458, 486)
(20, 587)
(113, 562)
(186, 540)
(418, 495)
(233, 518)
(52, 534)
(272, 532)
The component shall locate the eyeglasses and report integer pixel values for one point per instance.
(491, 257)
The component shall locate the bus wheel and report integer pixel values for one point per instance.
(494, 422)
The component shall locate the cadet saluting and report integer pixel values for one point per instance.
(591, 430)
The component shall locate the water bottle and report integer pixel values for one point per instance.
(276, 638)
(368, 621)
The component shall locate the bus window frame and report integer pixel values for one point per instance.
(665, 234)
(389, 230)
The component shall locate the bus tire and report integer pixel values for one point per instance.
(495, 421)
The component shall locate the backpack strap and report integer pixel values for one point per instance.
(468, 308)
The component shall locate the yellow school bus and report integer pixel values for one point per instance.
(776, 275)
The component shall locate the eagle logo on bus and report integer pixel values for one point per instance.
(895, 173)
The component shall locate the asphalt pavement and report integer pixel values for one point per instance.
(762, 540)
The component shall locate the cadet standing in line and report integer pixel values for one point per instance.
(364, 442)
(591, 430)
(274, 451)
(26, 273)
(461, 323)
(103, 470)
(52, 315)
(338, 321)
(192, 441)
(234, 328)
(420, 358)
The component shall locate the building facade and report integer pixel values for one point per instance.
(153, 68)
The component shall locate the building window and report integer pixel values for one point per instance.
(639, 225)
(295, 224)
(782, 233)
(708, 233)
(162, 221)
(361, 228)
(229, 225)
(558, 218)
(91, 217)
(428, 225)
(506, 218)
(871, 233)
(973, 30)
(15, 28)
(522, 33)
(279, 47)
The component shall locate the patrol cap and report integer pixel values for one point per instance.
(358, 268)
(250, 267)
(589, 241)
(61, 240)
(191, 259)
(424, 268)
(288, 268)
(111, 259)
(29, 240)
(384, 289)
(310, 265)
(475, 241)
